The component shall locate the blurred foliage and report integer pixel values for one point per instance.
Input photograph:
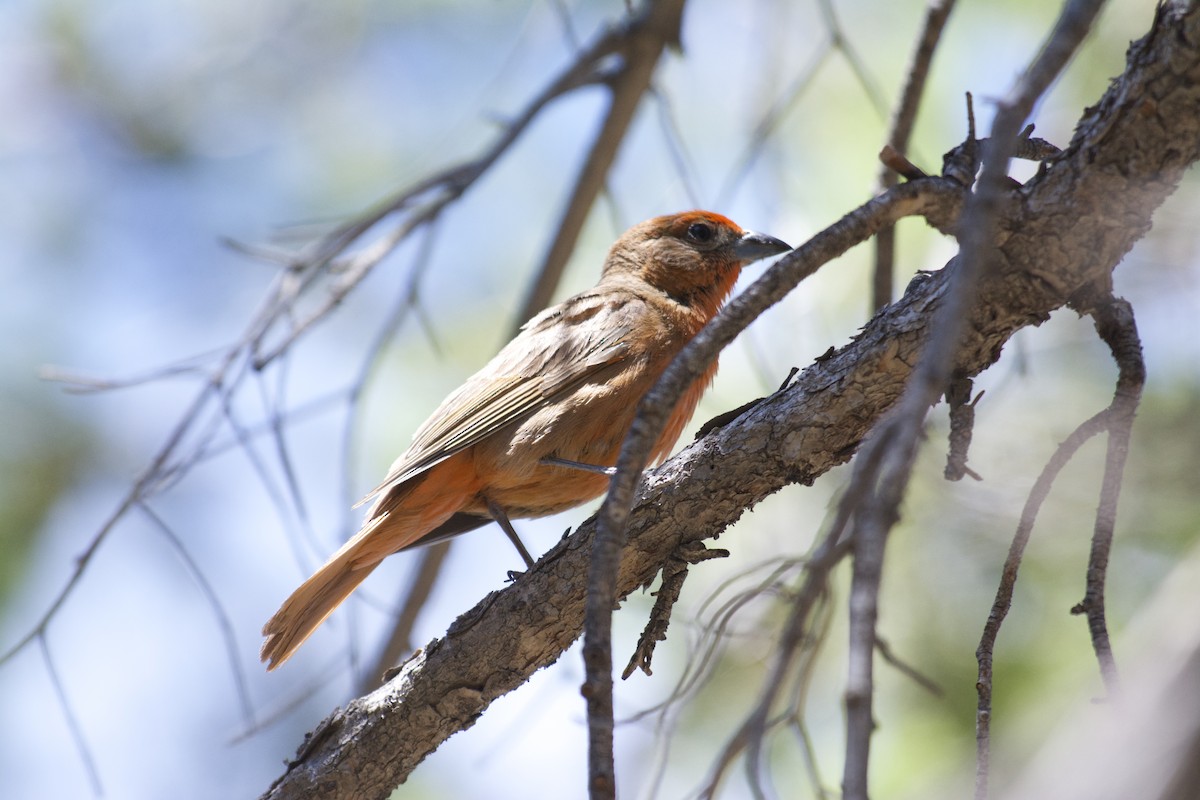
(42, 455)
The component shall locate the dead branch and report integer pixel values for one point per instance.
(641, 50)
(904, 117)
(673, 576)
(1116, 326)
(1008, 579)
(962, 426)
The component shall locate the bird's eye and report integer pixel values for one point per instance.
(699, 232)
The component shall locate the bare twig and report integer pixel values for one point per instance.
(702, 656)
(676, 147)
(715, 628)
(924, 681)
(141, 488)
(648, 34)
(904, 117)
(78, 383)
(795, 632)
(894, 161)
(218, 608)
(1008, 579)
(673, 576)
(76, 730)
(962, 425)
(842, 42)
(771, 121)
(1116, 325)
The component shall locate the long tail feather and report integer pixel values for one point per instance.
(400, 518)
(313, 602)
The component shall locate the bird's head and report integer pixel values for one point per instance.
(694, 257)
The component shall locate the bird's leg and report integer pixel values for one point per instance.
(555, 461)
(498, 514)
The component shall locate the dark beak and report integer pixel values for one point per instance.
(753, 246)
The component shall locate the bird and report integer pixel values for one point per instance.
(537, 430)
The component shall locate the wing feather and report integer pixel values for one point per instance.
(555, 353)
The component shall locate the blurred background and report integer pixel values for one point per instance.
(138, 139)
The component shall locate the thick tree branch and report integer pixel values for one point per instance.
(1058, 239)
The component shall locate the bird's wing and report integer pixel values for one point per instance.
(557, 351)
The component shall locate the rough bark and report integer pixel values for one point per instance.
(1059, 239)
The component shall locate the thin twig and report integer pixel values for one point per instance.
(906, 669)
(904, 117)
(796, 631)
(833, 548)
(804, 672)
(770, 122)
(648, 35)
(962, 426)
(76, 730)
(78, 383)
(274, 406)
(850, 53)
(140, 489)
(1008, 579)
(673, 576)
(224, 622)
(1117, 327)
(702, 657)
(676, 147)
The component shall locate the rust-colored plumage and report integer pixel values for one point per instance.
(565, 388)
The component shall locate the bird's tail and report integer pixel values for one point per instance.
(401, 517)
(315, 600)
